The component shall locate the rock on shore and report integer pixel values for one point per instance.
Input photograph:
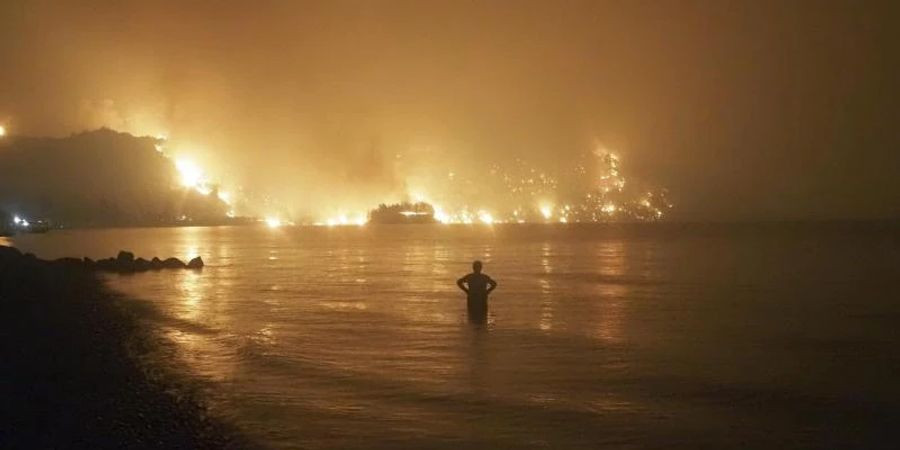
(125, 262)
(70, 372)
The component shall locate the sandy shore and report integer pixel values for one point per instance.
(71, 377)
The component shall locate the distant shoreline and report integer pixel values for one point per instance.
(72, 377)
(252, 222)
(878, 222)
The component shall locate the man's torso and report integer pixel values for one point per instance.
(477, 284)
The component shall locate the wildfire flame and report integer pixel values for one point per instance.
(273, 222)
(191, 174)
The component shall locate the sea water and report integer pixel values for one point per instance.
(602, 336)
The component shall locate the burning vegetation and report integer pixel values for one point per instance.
(105, 178)
(521, 193)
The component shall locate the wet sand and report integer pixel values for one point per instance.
(72, 372)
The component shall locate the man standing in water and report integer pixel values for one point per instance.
(477, 286)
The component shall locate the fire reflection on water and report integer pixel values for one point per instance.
(612, 291)
(381, 312)
(546, 320)
(588, 343)
(200, 300)
(191, 291)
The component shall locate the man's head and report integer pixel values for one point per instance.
(476, 266)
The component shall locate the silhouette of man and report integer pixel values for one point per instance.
(477, 286)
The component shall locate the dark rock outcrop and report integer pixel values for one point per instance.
(106, 264)
(125, 257)
(124, 262)
(173, 263)
(196, 263)
(141, 265)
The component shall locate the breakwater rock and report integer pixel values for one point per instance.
(125, 262)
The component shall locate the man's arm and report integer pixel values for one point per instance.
(461, 283)
(491, 285)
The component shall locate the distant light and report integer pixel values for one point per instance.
(17, 220)
(361, 220)
(485, 217)
(2, 131)
(25, 223)
(563, 220)
(273, 222)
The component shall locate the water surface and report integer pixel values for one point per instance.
(623, 336)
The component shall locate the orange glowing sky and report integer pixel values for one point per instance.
(741, 109)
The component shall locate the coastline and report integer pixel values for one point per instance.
(73, 376)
